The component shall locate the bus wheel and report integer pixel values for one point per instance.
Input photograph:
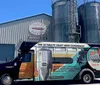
(87, 78)
(6, 80)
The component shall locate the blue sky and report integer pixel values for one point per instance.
(16, 9)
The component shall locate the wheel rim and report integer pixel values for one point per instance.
(6, 80)
(87, 78)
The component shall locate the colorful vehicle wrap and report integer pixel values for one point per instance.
(64, 63)
(45, 61)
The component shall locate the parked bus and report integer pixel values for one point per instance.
(47, 61)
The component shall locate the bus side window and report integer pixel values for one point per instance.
(62, 60)
(52, 49)
(71, 52)
(60, 50)
(26, 57)
(61, 56)
(78, 49)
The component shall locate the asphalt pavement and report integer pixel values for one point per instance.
(96, 82)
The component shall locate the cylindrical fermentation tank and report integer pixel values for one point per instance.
(89, 19)
(64, 20)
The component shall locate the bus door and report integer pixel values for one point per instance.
(44, 64)
(26, 68)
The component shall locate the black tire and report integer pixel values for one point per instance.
(87, 78)
(6, 80)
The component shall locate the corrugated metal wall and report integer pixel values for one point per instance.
(15, 31)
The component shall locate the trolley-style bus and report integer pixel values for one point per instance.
(47, 61)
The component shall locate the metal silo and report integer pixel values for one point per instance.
(89, 19)
(64, 20)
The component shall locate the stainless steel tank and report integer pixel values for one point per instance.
(64, 20)
(89, 19)
(44, 64)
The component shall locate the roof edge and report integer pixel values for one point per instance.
(25, 18)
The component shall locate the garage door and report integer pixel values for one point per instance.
(6, 52)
